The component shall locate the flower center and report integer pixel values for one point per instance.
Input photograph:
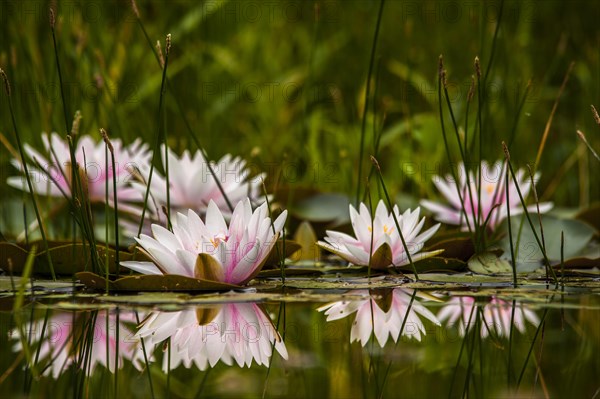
(490, 188)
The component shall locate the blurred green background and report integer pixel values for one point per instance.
(283, 83)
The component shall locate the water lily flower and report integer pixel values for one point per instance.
(211, 249)
(387, 248)
(382, 315)
(495, 316)
(94, 171)
(192, 186)
(62, 340)
(492, 203)
(203, 336)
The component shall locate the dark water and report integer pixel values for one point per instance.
(399, 343)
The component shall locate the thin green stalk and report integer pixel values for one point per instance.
(537, 331)
(513, 131)
(510, 239)
(526, 212)
(391, 206)
(182, 114)
(465, 159)
(157, 142)
(372, 239)
(280, 254)
(562, 258)
(16, 310)
(117, 344)
(494, 42)
(282, 308)
(26, 171)
(137, 318)
(366, 99)
(441, 78)
(470, 364)
(106, 206)
(510, 344)
(460, 352)
(60, 79)
(115, 200)
(582, 138)
(480, 130)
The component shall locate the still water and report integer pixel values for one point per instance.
(388, 343)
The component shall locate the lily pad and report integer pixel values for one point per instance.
(489, 263)
(167, 282)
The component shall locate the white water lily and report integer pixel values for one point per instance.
(211, 249)
(495, 316)
(238, 333)
(383, 316)
(492, 203)
(94, 171)
(380, 238)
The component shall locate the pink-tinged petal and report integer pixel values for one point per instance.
(142, 267)
(246, 266)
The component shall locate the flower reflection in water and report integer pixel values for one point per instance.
(384, 313)
(240, 333)
(495, 315)
(83, 339)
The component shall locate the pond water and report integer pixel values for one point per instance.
(405, 342)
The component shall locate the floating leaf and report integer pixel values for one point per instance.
(166, 282)
(489, 263)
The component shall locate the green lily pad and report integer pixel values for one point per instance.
(489, 263)
(166, 282)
